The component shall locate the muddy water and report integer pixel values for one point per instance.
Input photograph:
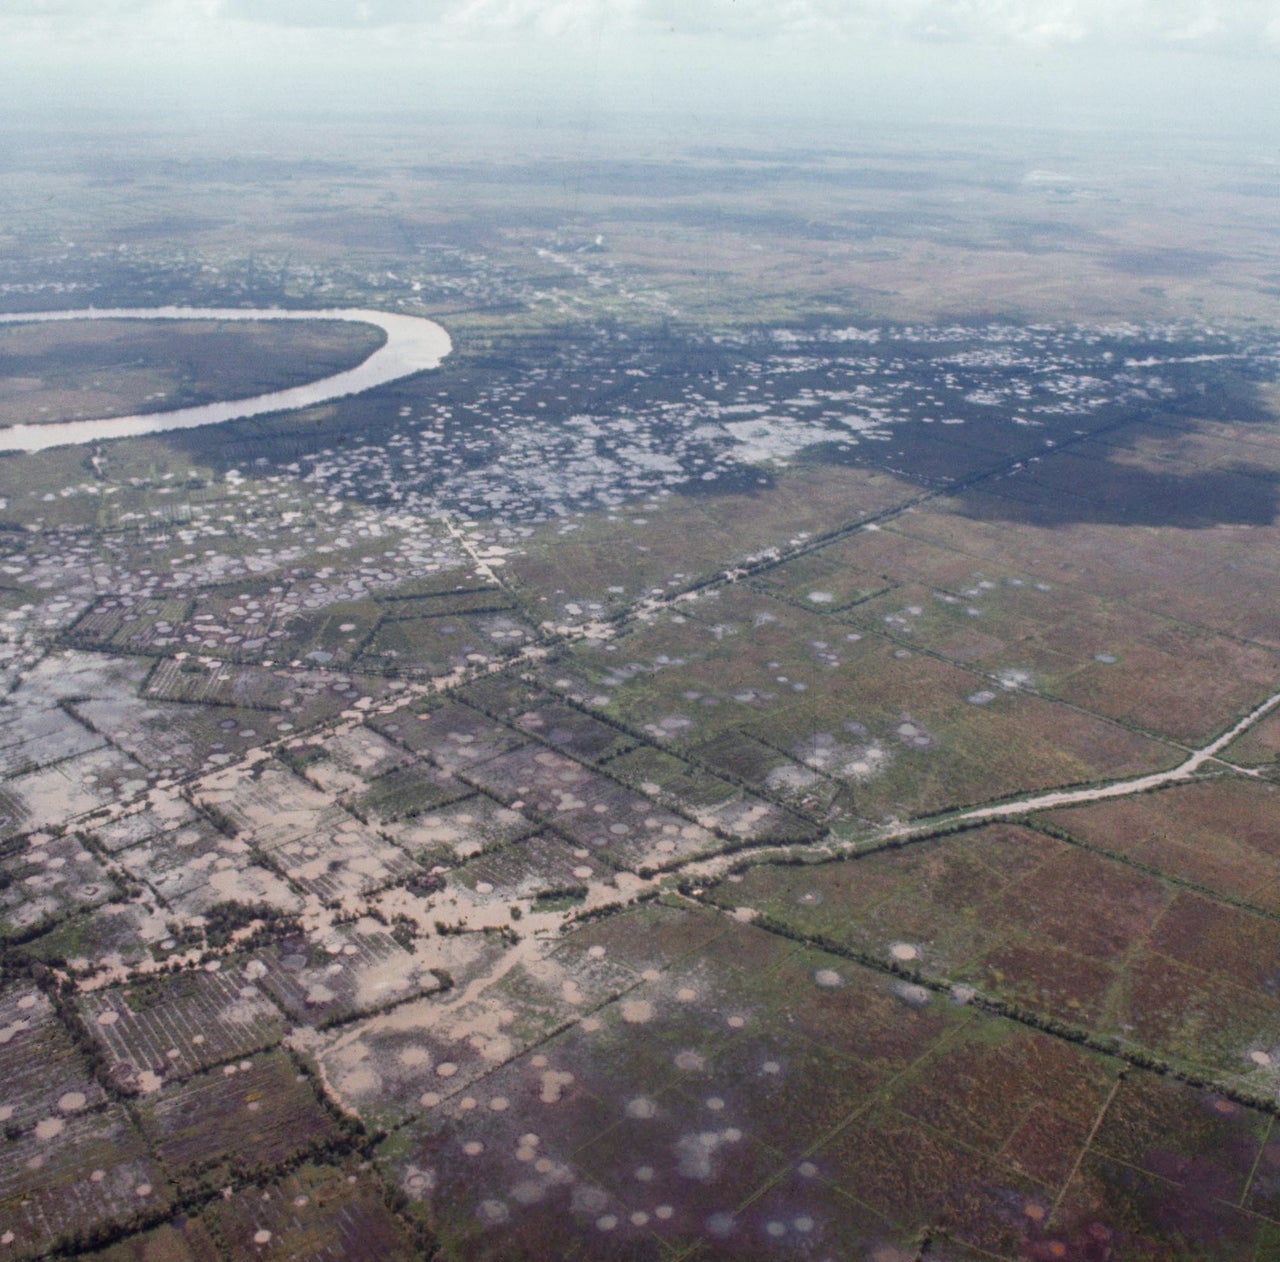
(413, 344)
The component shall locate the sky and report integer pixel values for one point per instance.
(1172, 66)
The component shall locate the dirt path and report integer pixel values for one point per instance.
(716, 866)
(1123, 788)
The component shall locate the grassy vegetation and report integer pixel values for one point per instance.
(457, 821)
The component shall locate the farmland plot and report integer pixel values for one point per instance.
(46, 879)
(43, 1073)
(356, 969)
(172, 1026)
(256, 1112)
(74, 1175)
(320, 1212)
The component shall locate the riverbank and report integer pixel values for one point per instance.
(414, 344)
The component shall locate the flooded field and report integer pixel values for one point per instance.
(660, 770)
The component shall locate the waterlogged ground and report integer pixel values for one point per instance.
(598, 420)
(802, 793)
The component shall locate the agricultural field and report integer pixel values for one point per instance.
(1052, 933)
(769, 751)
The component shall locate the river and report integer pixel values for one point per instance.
(413, 344)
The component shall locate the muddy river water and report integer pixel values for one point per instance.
(413, 344)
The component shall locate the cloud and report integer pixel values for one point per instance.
(1117, 64)
(1241, 26)
(1223, 25)
(336, 14)
(479, 17)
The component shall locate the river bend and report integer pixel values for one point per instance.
(413, 345)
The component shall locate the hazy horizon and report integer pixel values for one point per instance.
(1175, 70)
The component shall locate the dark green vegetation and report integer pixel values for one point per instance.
(552, 806)
(57, 372)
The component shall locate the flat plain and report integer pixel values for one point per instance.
(769, 751)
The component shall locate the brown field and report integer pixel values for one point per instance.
(914, 1174)
(256, 1113)
(1104, 656)
(1178, 573)
(1218, 834)
(318, 1212)
(1051, 929)
(1136, 1214)
(1170, 1170)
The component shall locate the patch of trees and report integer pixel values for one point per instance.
(223, 919)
